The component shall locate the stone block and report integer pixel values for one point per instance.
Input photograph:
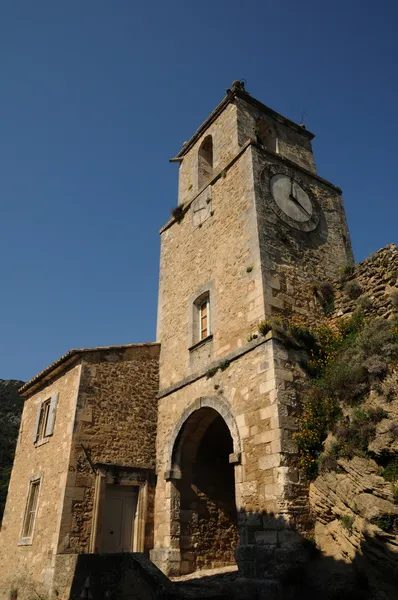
(289, 538)
(266, 537)
(268, 462)
(267, 386)
(268, 412)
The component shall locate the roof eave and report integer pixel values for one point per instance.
(69, 358)
(230, 97)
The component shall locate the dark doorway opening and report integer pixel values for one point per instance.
(208, 518)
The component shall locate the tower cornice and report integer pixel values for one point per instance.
(229, 99)
(225, 168)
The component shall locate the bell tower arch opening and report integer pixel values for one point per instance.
(266, 135)
(205, 484)
(205, 161)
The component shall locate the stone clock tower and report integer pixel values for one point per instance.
(254, 229)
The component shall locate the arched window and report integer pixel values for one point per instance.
(205, 161)
(266, 135)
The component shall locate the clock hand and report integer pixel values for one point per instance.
(299, 205)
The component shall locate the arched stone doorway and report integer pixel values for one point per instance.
(204, 483)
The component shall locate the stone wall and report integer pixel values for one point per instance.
(253, 265)
(115, 425)
(105, 428)
(292, 260)
(225, 146)
(377, 278)
(28, 567)
(128, 576)
(255, 396)
(222, 255)
(292, 143)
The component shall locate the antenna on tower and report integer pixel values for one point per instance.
(303, 114)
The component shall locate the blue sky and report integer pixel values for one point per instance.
(96, 96)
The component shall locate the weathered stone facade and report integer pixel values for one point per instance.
(105, 430)
(252, 265)
(29, 567)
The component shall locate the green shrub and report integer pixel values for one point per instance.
(393, 429)
(347, 522)
(342, 366)
(395, 493)
(378, 337)
(355, 435)
(178, 212)
(390, 472)
(211, 372)
(353, 290)
(375, 415)
(318, 416)
(389, 390)
(351, 326)
(264, 327)
(387, 522)
(327, 463)
(344, 380)
(303, 335)
(326, 292)
(394, 298)
(347, 270)
(224, 365)
(365, 302)
(376, 366)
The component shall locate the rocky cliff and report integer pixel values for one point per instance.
(354, 490)
(11, 405)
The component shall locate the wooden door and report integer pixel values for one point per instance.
(118, 521)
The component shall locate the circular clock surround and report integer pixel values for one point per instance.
(289, 198)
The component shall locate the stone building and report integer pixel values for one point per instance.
(254, 227)
(84, 471)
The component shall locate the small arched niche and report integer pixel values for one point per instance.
(266, 135)
(205, 161)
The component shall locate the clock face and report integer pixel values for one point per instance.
(290, 200)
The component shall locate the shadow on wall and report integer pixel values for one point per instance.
(281, 565)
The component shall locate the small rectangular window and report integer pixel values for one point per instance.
(45, 419)
(44, 413)
(204, 319)
(31, 509)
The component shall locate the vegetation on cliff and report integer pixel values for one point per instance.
(11, 405)
(348, 362)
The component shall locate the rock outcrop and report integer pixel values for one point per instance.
(377, 280)
(353, 501)
(11, 405)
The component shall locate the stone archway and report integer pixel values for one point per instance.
(172, 454)
(203, 449)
